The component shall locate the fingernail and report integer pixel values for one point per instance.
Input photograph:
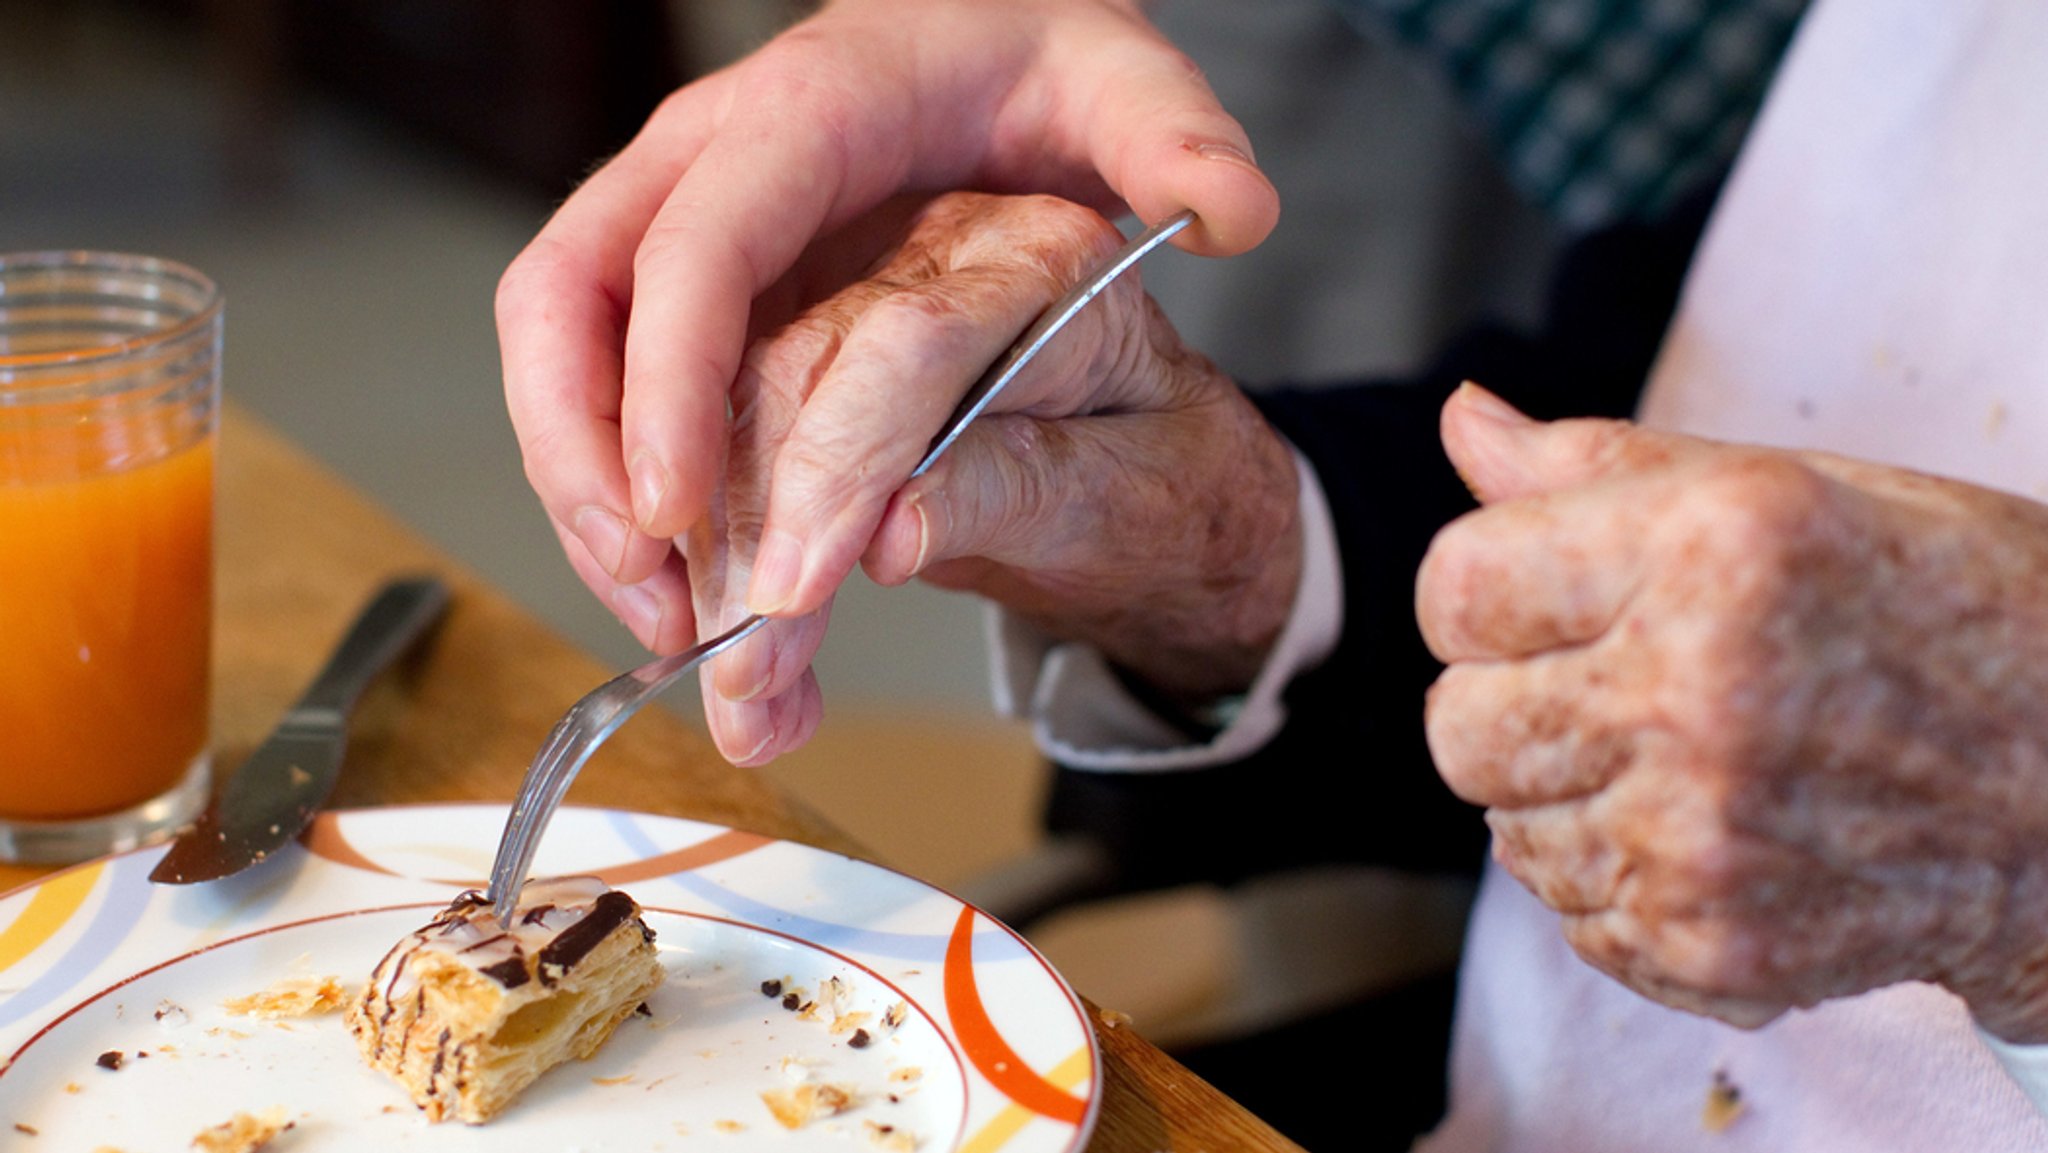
(752, 724)
(650, 484)
(1229, 152)
(754, 753)
(921, 507)
(1483, 403)
(603, 533)
(641, 612)
(745, 659)
(778, 563)
(755, 689)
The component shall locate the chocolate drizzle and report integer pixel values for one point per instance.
(486, 943)
(608, 912)
(440, 1053)
(509, 973)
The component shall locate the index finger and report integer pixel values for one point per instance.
(770, 181)
(561, 316)
(1516, 579)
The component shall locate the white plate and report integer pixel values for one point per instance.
(995, 1052)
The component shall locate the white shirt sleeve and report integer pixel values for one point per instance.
(1082, 717)
(2027, 1065)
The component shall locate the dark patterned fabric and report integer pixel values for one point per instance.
(1603, 110)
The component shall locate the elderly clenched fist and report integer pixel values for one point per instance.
(1766, 727)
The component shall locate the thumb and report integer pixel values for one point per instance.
(1162, 140)
(1502, 454)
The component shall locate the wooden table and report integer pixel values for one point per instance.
(299, 550)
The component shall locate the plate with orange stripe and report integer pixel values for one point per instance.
(118, 998)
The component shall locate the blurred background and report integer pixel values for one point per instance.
(357, 173)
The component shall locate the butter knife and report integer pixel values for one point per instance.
(276, 791)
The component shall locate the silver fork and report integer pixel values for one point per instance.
(600, 713)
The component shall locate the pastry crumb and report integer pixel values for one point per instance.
(1724, 1104)
(1115, 1018)
(892, 1138)
(799, 1105)
(295, 997)
(243, 1133)
(728, 1126)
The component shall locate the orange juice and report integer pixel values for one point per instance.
(106, 593)
(109, 398)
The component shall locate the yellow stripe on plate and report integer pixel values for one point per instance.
(1006, 1124)
(53, 904)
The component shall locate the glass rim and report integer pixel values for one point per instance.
(79, 259)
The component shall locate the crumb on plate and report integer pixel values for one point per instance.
(243, 1133)
(1724, 1104)
(293, 997)
(893, 1138)
(799, 1105)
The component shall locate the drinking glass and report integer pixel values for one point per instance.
(109, 405)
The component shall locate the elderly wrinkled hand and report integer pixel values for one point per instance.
(1766, 727)
(1120, 490)
(622, 325)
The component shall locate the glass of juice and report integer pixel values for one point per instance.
(109, 405)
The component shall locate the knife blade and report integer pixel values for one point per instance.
(275, 792)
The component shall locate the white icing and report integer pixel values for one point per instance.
(469, 932)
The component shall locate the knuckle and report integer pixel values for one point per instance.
(1762, 502)
(1065, 236)
(541, 460)
(1719, 955)
(803, 78)
(823, 471)
(797, 355)
(1452, 590)
(529, 281)
(1608, 445)
(923, 315)
(1028, 500)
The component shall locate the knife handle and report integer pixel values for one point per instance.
(400, 612)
